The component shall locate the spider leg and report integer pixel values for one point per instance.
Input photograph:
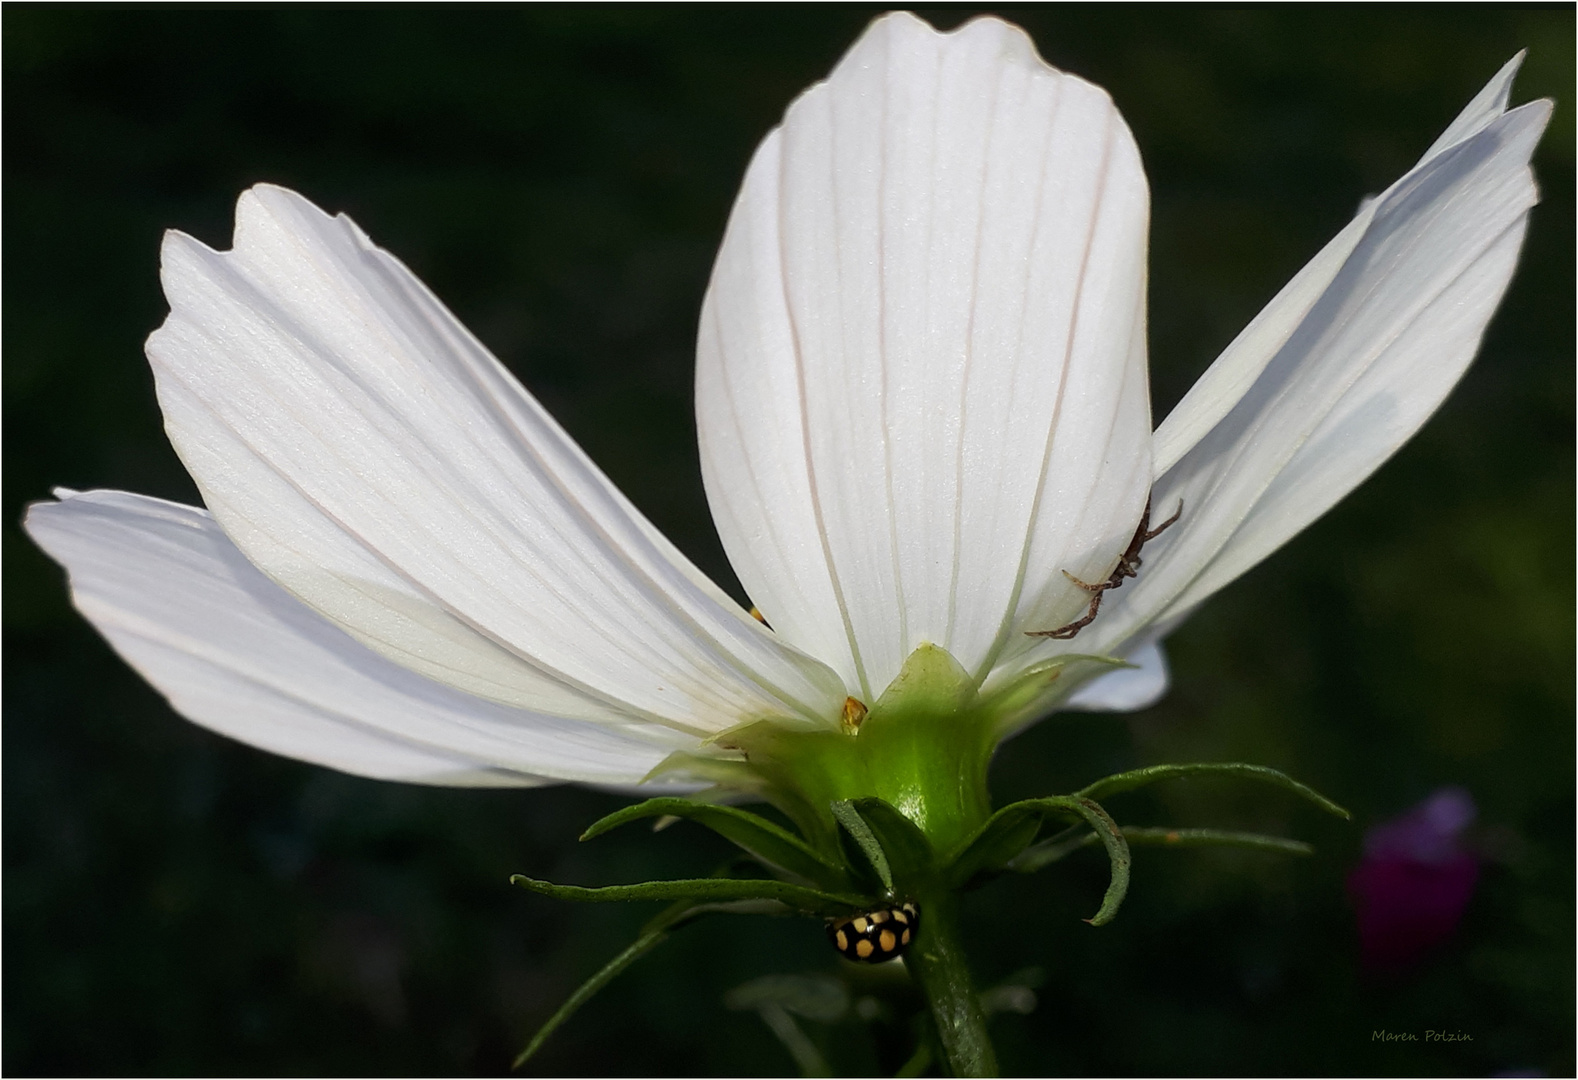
(1063, 633)
(1128, 566)
(1087, 586)
(1151, 534)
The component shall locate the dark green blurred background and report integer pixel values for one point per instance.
(179, 904)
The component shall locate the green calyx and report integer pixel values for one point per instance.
(892, 805)
(923, 747)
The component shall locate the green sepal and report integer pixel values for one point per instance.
(1128, 781)
(705, 890)
(763, 840)
(1055, 848)
(909, 853)
(993, 845)
(1027, 696)
(863, 852)
(1004, 835)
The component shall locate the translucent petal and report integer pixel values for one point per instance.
(360, 447)
(1350, 377)
(1227, 380)
(1126, 689)
(237, 654)
(921, 386)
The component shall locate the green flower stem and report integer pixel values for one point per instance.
(937, 963)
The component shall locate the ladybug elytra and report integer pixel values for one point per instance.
(877, 935)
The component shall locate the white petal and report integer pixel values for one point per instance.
(235, 653)
(370, 456)
(920, 384)
(1228, 379)
(1353, 377)
(1486, 106)
(1126, 689)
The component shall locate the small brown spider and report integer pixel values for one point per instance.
(1128, 566)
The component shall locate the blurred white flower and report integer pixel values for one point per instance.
(922, 401)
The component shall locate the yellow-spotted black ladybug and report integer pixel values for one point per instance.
(877, 935)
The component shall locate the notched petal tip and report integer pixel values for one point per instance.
(906, 29)
(920, 376)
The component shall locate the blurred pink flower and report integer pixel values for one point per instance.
(1415, 880)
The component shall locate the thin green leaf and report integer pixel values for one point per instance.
(1007, 833)
(1163, 837)
(705, 890)
(1128, 781)
(763, 840)
(993, 845)
(1117, 855)
(651, 936)
(1050, 851)
(865, 843)
(773, 908)
(908, 851)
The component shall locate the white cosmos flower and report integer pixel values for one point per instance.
(921, 394)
